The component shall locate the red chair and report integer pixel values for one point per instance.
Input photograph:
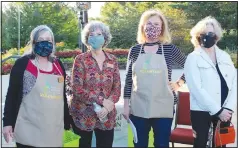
(178, 134)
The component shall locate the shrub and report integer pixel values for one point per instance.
(67, 60)
(74, 53)
(6, 68)
(229, 40)
(60, 46)
(233, 54)
(122, 60)
(68, 54)
(234, 59)
(118, 52)
(10, 52)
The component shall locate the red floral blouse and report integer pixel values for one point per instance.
(88, 83)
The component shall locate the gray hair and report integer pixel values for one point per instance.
(35, 33)
(93, 25)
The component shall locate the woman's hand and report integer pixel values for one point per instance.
(103, 113)
(225, 115)
(7, 133)
(174, 86)
(108, 104)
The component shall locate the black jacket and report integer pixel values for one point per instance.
(15, 93)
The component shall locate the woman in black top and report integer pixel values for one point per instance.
(148, 88)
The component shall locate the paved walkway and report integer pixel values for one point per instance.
(175, 75)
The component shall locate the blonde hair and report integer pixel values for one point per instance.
(164, 37)
(200, 28)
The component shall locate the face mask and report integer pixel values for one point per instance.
(43, 48)
(152, 32)
(208, 40)
(96, 42)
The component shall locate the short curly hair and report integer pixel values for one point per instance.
(93, 25)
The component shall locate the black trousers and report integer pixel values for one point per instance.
(23, 146)
(201, 122)
(104, 138)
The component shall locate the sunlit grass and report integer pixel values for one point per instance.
(75, 143)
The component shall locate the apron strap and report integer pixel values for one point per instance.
(57, 69)
(142, 46)
(162, 49)
(37, 65)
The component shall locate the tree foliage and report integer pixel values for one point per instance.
(122, 18)
(224, 12)
(57, 15)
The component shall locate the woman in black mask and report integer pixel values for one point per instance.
(36, 111)
(212, 81)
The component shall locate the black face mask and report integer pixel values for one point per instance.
(208, 40)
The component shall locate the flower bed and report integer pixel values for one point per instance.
(67, 57)
(74, 53)
(68, 54)
(119, 52)
(6, 68)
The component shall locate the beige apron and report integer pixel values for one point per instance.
(151, 95)
(40, 121)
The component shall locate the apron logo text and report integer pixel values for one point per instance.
(44, 95)
(150, 71)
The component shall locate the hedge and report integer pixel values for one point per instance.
(74, 53)
(67, 58)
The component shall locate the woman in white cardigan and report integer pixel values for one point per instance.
(212, 81)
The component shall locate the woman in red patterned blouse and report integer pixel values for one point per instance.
(95, 78)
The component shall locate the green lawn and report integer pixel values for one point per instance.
(130, 138)
(70, 139)
(75, 142)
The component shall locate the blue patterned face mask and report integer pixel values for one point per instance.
(96, 42)
(43, 48)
